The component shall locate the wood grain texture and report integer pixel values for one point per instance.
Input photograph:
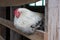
(46, 20)
(35, 36)
(46, 36)
(52, 3)
(52, 11)
(46, 16)
(52, 23)
(13, 35)
(3, 31)
(1, 38)
(59, 20)
(5, 3)
(3, 15)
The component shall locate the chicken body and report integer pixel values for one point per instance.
(27, 21)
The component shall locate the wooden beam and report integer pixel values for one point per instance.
(53, 19)
(36, 36)
(5, 3)
(1, 38)
(58, 30)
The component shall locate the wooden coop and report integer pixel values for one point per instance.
(51, 23)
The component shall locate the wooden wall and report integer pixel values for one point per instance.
(3, 15)
(53, 17)
(58, 29)
(53, 20)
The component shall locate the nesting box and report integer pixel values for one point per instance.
(52, 20)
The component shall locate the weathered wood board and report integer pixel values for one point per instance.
(35, 36)
(53, 19)
(59, 20)
(1, 38)
(5, 3)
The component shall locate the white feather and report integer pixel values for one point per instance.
(27, 19)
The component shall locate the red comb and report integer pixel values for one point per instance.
(17, 13)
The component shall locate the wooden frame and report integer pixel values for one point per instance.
(9, 25)
(1, 38)
(37, 35)
(52, 22)
(4, 3)
(53, 19)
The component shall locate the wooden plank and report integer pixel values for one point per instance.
(1, 38)
(46, 20)
(52, 20)
(14, 35)
(5, 3)
(35, 36)
(3, 15)
(46, 16)
(52, 23)
(52, 3)
(0, 30)
(59, 20)
(46, 36)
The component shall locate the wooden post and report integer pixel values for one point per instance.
(59, 20)
(13, 35)
(5, 3)
(1, 38)
(53, 19)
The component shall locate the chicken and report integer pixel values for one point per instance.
(26, 20)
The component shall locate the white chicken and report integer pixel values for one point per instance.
(26, 20)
